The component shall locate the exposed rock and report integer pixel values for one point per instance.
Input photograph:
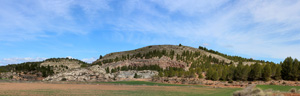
(97, 73)
(28, 76)
(62, 65)
(163, 62)
(128, 75)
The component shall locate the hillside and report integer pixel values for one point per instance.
(39, 70)
(168, 55)
(159, 63)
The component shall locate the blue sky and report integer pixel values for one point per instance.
(33, 30)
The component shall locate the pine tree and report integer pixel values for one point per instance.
(160, 74)
(255, 72)
(199, 72)
(238, 72)
(287, 67)
(278, 73)
(224, 73)
(135, 76)
(107, 70)
(215, 76)
(209, 74)
(295, 70)
(267, 72)
(231, 70)
(245, 73)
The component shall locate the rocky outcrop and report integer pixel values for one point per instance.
(97, 73)
(163, 62)
(62, 65)
(129, 75)
(28, 76)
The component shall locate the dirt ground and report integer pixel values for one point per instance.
(47, 89)
(33, 86)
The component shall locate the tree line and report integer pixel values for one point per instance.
(33, 67)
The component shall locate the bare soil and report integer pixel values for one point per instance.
(48, 89)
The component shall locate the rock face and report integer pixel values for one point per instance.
(97, 73)
(163, 62)
(128, 75)
(62, 65)
(32, 76)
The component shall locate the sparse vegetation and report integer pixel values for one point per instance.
(197, 63)
(280, 88)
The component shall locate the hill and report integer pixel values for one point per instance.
(169, 56)
(39, 70)
(159, 63)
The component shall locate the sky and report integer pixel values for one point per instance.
(34, 30)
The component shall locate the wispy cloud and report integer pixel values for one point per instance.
(256, 28)
(89, 60)
(5, 61)
(41, 18)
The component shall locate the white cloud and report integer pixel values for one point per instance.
(70, 57)
(256, 28)
(35, 19)
(89, 60)
(190, 7)
(253, 28)
(5, 61)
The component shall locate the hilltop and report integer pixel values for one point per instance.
(169, 55)
(39, 70)
(158, 63)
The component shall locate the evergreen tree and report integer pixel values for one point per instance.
(209, 74)
(215, 76)
(287, 67)
(278, 73)
(135, 76)
(199, 72)
(294, 70)
(225, 72)
(231, 70)
(267, 72)
(255, 72)
(245, 73)
(107, 70)
(238, 72)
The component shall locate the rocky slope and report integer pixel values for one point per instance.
(62, 64)
(138, 57)
(177, 50)
(97, 73)
(165, 56)
(163, 62)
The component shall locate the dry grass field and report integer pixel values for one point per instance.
(108, 89)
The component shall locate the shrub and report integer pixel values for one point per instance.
(136, 76)
(252, 92)
(64, 79)
(293, 90)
